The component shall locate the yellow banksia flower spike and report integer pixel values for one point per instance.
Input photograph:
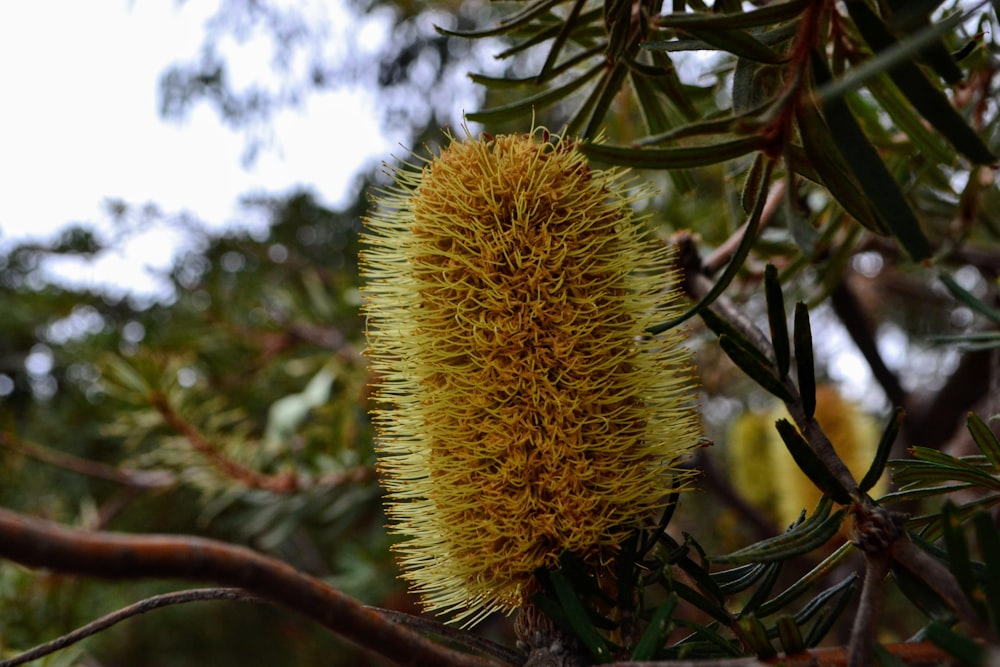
(763, 470)
(521, 409)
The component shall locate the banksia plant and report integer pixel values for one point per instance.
(523, 411)
(765, 472)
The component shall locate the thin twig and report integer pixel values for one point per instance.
(42, 544)
(722, 254)
(915, 654)
(465, 639)
(115, 617)
(137, 479)
(283, 483)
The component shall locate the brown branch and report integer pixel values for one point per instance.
(136, 479)
(848, 309)
(916, 654)
(41, 544)
(761, 526)
(721, 255)
(427, 626)
(115, 617)
(283, 483)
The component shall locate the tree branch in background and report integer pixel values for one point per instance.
(42, 544)
(934, 417)
(115, 617)
(286, 482)
(140, 480)
(851, 314)
(760, 525)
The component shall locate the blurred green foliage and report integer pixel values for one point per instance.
(236, 406)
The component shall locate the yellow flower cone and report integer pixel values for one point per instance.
(522, 411)
(763, 470)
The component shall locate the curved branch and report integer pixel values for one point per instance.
(115, 617)
(42, 544)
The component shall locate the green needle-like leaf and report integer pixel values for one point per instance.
(656, 632)
(777, 320)
(989, 546)
(739, 43)
(761, 373)
(753, 19)
(683, 157)
(985, 439)
(790, 635)
(804, 365)
(882, 453)
(810, 463)
(959, 559)
(922, 94)
(735, 264)
(871, 173)
(506, 25)
(969, 299)
(578, 618)
(965, 650)
(539, 101)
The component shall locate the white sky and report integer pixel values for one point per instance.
(79, 124)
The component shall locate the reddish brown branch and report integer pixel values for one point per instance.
(41, 544)
(143, 606)
(283, 483)
(916, 653)
(136, 479)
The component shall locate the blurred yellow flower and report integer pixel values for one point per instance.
(522, 409)
(767, 475)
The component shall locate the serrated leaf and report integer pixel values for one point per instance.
(871, 173)
(656, 631)
(875, 470)
(804, 365)
(984, 438)
(776, 320)
(925, 97)
(810, 464)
